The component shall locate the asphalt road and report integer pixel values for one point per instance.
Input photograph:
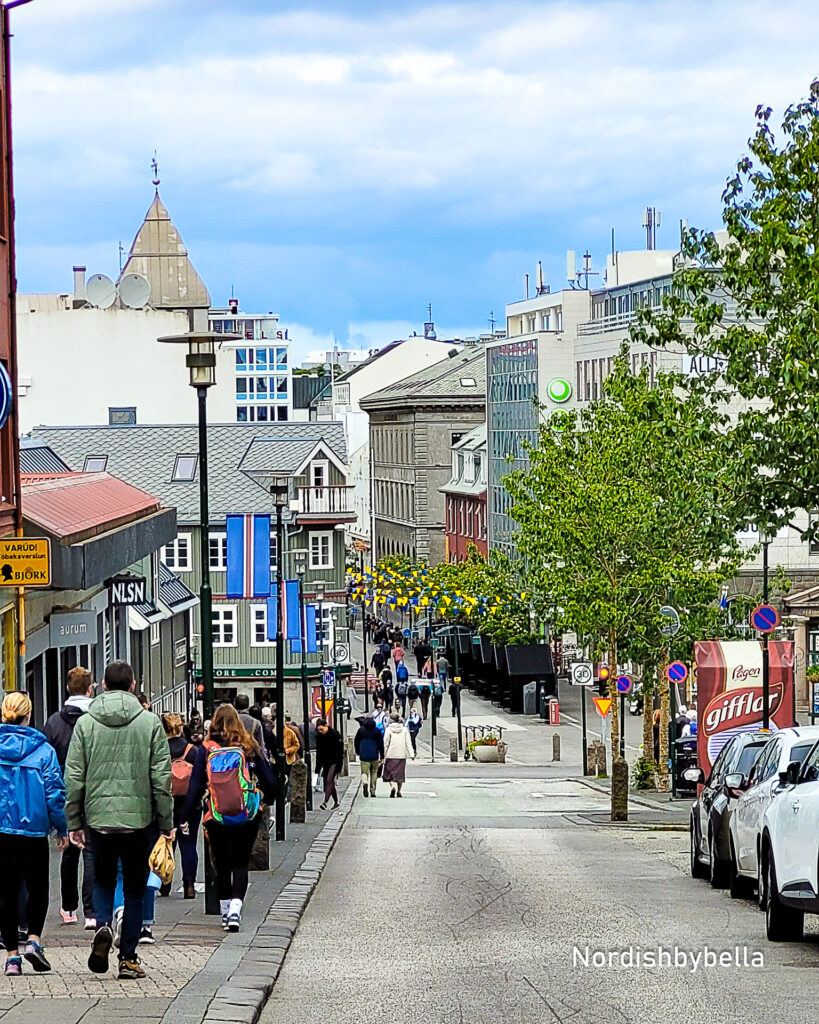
(479, 900)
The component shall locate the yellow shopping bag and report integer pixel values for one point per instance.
(161, 861)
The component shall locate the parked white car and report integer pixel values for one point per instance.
(789, 852)
(761, 787)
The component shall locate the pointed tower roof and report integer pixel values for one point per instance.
(159, 254)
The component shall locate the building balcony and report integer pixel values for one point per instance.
(326, 503)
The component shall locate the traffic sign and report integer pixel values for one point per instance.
(25, 562)
(765, 618)
(582, 674)
(328, 677)
(671, 625)
(407, 633)
(677, 671)
(339, 652)
(624, 684)
(603, 705)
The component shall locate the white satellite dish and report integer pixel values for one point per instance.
(134, 290)
(100, 291)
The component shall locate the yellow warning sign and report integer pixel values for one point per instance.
(603, 705)
(25, 562)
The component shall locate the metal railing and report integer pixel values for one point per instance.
(325, 500)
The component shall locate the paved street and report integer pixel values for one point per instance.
(465, 901)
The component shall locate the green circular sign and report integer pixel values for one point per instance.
(559, 390)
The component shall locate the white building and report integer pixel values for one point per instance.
(90, 355)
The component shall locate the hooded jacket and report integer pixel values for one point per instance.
(32, 792)
(397, 742)
(369, 741)
(118, 770)
(59, 728)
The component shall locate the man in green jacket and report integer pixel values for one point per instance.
(118, 788)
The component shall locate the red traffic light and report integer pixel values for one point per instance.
(200, 688)
(603, 672)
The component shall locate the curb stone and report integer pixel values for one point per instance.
(241, 999)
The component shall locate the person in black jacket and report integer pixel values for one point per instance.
(58, 730)
(369, 745)
(183, 753)
(329, 759)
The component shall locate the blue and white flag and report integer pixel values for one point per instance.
(248, 556)
(309, 630)
(723, 603)
(290, 612)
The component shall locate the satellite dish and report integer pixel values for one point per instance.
(134, 290)
(100, 291)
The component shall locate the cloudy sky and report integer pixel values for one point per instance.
(345, 162)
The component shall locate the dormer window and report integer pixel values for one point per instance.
(95, 464)
(184, 469)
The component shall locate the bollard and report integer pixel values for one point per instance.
(555, 748)
(260, 854)
(601, 760)
(502, 748)
(453, 747)
(619, 789)
(351, 755)
(591, 758)
(298, 791)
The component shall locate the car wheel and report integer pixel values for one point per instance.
(738, 886)
(782, 924)
(719, 870)
(698, 869)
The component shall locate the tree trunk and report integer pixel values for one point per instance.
(648, 715)
(615, 708)
(665, 708)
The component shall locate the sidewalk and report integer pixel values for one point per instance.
(190, 961)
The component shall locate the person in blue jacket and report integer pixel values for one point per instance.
(32, 803)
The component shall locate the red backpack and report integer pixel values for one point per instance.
(181, 771)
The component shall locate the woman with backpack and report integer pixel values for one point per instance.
(329, 759)
(183, 758)
(231, 770)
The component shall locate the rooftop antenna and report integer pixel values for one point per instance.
(155, 169)
(429, 310)
(587, 271)
(492, 320)
(121, 251)
(652, 219)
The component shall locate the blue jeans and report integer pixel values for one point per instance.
(148, 899)
(132, 850)
(187, 844)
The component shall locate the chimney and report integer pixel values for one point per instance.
(79, 286)
(234, 305)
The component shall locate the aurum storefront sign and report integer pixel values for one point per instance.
(729, 691)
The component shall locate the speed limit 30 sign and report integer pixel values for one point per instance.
(582, 673)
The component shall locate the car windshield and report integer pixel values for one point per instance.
(748, 757)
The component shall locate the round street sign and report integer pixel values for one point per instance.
(582, 673)
(339, 652)
(765, 618)
(677, 671)
(559, 390)
(624, 684)
(671, 623)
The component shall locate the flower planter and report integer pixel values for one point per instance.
(485, 753)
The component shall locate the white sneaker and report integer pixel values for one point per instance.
(224, 910)
(234, 921)
(117, 926)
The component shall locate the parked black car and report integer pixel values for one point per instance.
(711, 813)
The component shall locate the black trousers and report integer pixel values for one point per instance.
(230, 848)
(69, 873)
(24, 859)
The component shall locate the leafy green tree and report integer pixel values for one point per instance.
(624, 500)
(748, 300)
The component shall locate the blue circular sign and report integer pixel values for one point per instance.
(6, 395)
(407, 633)
(765, 618)
(624, 684)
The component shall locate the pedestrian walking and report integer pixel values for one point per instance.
(252, 725)
(232, 772)
(421, 653)
(118, 794)
(369, 746)
(183, 758)
(398, 749)
(414, 723)
(32, 803)
(329, 759)
(454, 696)
(377, 661)
(437, 696)
(268, 732)
(443, 668)
(386, 651)
(413, 695)
(398, 653)
(58, 730)
(425, 691)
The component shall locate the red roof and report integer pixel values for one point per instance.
(82, 503)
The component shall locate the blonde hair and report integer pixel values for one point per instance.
(16, 706)
(172, 724)
(227, 730)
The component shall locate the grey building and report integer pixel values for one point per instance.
(413, 425)
(164, 461)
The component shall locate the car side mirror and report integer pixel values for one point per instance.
(694, 775)
(791, 774)
(735, 783)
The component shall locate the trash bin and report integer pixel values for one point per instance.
(686, 750)
(530, 698)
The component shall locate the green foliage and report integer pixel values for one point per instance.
(643, 773)
(752, 301)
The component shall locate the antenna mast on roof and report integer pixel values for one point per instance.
(155, 169)
(491, 320)
(652, 219)
(121, 251)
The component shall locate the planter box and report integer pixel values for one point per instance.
(487, 754)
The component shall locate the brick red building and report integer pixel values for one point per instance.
(466, 496)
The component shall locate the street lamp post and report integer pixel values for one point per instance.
(766, 670)
(300, 564)
(279, 492)
(320, 593)
(201, 361)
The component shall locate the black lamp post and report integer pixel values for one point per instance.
(201, 361)
(766, 664)
(300, 567)
(320, 591)
(280, 493)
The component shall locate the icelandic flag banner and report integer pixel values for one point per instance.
(310, 632)
(290, 612)
(248, 556)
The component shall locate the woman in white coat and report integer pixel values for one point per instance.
(397, 751)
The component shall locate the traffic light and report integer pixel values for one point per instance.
(603, 680)
(200, 689)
